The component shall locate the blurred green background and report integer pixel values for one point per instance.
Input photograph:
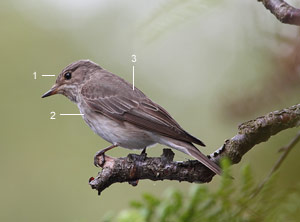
(211, 64)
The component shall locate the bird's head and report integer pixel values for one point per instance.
(71, 78)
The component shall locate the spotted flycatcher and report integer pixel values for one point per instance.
(120, 115)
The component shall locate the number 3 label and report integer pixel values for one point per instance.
(133, 58)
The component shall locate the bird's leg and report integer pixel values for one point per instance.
(101, 153)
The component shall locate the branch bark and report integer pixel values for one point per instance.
(283, 11)
(135, 167)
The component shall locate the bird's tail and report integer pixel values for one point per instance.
(204, 160)
(190, 149)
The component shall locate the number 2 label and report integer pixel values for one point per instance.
(52, 115)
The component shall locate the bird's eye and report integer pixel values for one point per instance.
(68, 75)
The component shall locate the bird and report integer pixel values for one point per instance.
(122, 114)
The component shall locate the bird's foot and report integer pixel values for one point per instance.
(99, 158)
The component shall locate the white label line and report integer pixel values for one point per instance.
(71, 114)
(132, 77)
(48, 75)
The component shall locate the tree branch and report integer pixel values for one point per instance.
(283, 11)
(135, 167)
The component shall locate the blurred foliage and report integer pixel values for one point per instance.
(172, 13)
(230, 202)
(280, 81)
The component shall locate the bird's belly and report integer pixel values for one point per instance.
(122, 134)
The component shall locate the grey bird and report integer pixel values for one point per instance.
(123, 116)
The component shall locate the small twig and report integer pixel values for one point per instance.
(283, 11)
(291, 144)
(286, 150)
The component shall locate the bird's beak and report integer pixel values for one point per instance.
(51, 92)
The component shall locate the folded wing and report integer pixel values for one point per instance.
(116, 100)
